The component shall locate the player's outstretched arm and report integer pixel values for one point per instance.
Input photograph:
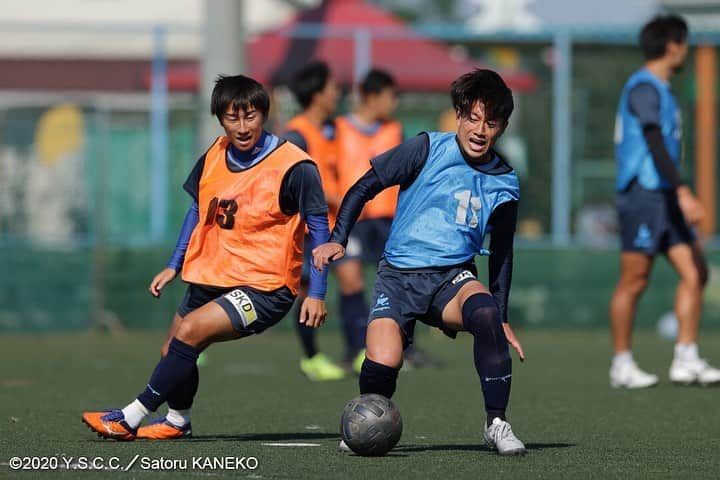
(352, 205)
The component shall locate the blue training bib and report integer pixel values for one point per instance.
(632, 154)
(441, 218)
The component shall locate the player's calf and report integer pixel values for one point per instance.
(383, 359)
(481, 318)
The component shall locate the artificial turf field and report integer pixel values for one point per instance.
(252, 397)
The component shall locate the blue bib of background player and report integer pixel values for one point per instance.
(632, 154)
(441, 218)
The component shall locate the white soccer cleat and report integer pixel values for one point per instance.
(343, 446)
(629, 375)
(687, 372)
(500, 437)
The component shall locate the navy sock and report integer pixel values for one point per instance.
(378, 378)
(354, 314)
(174, 369)
(493, 363)
(181, 398)
(306, 334)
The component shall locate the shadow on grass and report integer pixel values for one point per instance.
(264, 437)
(474, 447)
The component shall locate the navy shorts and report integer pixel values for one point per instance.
(251, 311)
(422, 294)
(651, 221)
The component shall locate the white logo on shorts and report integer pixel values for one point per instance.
(382, 303)
(243, 305)
(464, 275)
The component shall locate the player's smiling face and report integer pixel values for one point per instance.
(477, 134)
(243, 127)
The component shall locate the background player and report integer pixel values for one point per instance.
(656, 208)
(454, 189)
(313, 131)
(254, 193)
(361, 135)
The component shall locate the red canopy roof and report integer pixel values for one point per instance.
(417, 62)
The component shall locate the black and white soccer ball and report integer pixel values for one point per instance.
(371, 425)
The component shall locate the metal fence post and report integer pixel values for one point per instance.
(159, 126)
(561, 146)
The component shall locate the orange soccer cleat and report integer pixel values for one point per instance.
(161, 429)
(109, 424)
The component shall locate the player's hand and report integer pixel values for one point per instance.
(692, 209)
(313, 312)
(160, 280)
(326, 253)
(512, 340)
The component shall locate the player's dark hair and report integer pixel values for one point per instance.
(241, 92)
(484, 86)
(376, 81)
(308, 81)
(659, 31)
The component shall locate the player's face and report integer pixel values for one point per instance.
(677, 53)
(476, 133)
(329, 96)
(386, 103)
(243, 127)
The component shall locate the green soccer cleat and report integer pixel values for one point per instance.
(358, 361)
(320, 368)
(202, 360)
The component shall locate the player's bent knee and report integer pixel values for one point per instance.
(470, 289)
(191, 333)
(481, 314)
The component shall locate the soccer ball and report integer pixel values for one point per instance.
(371, 425)
(667, 326)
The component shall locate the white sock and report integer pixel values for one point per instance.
(179, 418)
(622, 358)
(687, 352)
(134, 413)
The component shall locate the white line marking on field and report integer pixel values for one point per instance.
(279, 444)
(312, 427)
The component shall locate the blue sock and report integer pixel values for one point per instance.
(354, 314)
(174, 369)
(493, 363)
(181, 398)
(378, 378)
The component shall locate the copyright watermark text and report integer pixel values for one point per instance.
(138, 462)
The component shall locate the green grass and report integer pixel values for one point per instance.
(251, 394)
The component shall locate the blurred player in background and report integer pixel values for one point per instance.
(656, 209)
(362, 135)
(313, 131)
(454, 189)
(242, 250)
